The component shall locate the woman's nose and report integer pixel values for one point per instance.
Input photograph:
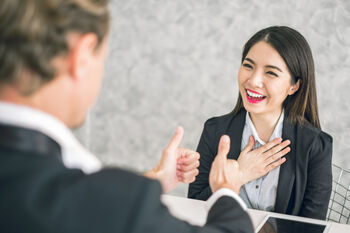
(256, 79)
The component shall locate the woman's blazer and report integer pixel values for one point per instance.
(305, 179)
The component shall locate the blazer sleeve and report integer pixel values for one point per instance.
(319, 178)
(113, 201)
(200, 188)
(226, 215)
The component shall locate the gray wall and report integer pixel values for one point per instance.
(175, 62)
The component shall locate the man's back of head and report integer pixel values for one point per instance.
(36, 46)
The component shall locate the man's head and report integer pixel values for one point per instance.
(53, 45)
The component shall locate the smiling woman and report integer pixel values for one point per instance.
(264, 83)
(274, 129)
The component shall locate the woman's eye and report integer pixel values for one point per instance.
(272, 73)
(247, 65)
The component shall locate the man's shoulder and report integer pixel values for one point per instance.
(41, 190)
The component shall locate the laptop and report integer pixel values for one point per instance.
(281, 224)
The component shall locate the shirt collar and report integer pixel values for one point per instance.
(276, 133)
(74, 155)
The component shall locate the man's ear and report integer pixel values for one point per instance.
(82, 53)
(294, 88)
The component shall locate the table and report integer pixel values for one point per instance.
(195, 212)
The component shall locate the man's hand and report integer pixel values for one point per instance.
(176, 164)
(256, 163)
(224, 173)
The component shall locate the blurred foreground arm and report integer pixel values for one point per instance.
(226, 209)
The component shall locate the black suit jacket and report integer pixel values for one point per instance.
(305, 179)
(39, 194)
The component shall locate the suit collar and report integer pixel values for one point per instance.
(235, 131)
(28, 141)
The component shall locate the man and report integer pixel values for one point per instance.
(52, 54)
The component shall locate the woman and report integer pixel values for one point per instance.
(277, 100)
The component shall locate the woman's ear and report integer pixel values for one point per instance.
(294, 87)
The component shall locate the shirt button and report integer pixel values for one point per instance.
(257, 186)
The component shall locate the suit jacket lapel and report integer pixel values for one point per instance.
(287, 170)
(235, 131)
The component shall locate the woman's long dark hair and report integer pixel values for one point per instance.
(301, 107)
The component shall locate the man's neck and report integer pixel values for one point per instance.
(42, 100)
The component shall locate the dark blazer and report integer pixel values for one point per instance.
(305, 179)
(39, 194)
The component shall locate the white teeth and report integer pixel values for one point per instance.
(254, 94)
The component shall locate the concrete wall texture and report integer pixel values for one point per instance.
(175, 62)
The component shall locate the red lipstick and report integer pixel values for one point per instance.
(254, 97)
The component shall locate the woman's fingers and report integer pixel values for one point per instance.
(250, 145)
(277, 155)
(276, 149)
(269, 145)
(273, 165)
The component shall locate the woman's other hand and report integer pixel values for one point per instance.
(255, 163)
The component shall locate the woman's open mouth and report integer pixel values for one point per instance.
(254, 97)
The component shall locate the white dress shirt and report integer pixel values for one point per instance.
(261, 193)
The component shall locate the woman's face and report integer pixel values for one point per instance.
(264, 80)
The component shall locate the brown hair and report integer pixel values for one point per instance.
(301, 107)
(34, 32)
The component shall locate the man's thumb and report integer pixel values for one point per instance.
(224, 146)
(176, 139)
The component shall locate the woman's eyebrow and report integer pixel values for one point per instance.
(267, 66)
(274, 67)
(250, 60)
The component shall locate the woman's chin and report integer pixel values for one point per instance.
(253, 108)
